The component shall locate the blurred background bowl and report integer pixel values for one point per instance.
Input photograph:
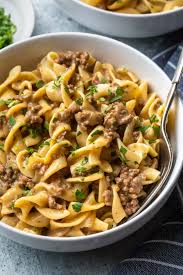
(123, 25)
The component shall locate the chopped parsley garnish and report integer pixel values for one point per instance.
(116, 98)
(80, 170)
(92, 90)
(84, 161)
(2, 147)
(156, 129)
(30, 150)
(96, 133)
(119, 91)
(12, 121)
(152, 141)
(104, 80)
(153, 118)
(7, 29)
(24, 111)
(9, 102)
(27, 192)
(57, 82)
(55, 119)
(46, 125)
(123, 151)
(79, 101)
(12, 205)
(74, 149)
(80, 195)
(66, 89)
(77, 206)
(34, 132)
(78, 133)
(39, 84)
(143, 128)
(44, 143)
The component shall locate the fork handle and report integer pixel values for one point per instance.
(172, 92)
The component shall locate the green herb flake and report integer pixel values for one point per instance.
(116, 98)
(27, 192)
(57, 82)
(84, 161)
(103, 80)
(153, 118)
(45, 143)
(152, 141)
(34, 132)
(119, 91)
(12, 205)
(96, 133)
(77, 206)
(30, 150)
(92, 90)
(55, 119)
(12, 121)
(2, 147)
(156, 129)
(123, 151)
(80, 170)
(66, 89)
(143, 129)
(46, 125)
(80, 195)
(74, 149)
(39, 84)
(7, 29)
(79, 101)
(78, 133)
(24, 111)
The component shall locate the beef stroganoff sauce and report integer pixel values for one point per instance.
(136, 6)
(79, 145)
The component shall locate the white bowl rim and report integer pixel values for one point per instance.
(166, 189)
(130, 15)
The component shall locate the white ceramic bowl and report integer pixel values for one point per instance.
(123, 25)
(28, 54)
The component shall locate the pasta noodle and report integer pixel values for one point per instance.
(79, 145)
(136, 6)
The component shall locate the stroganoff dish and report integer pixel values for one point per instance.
(136, 6)
(79, 145)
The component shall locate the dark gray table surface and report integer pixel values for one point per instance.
(16, 259)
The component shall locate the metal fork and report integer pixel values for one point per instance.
(166, 151)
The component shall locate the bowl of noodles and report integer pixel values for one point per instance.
(127, 18)
(79, 141)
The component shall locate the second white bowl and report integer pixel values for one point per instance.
(123, 25)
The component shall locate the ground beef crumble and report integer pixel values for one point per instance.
(87, 119)
(24, 182)
(118, 115)
(8, 176)
(68, 114)
(79, 58)
(52, 203)
(32, 116)
(130, 184)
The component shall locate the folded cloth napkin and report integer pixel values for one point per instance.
(163, 254)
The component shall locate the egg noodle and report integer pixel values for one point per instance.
(79, 145)
(136, 6)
